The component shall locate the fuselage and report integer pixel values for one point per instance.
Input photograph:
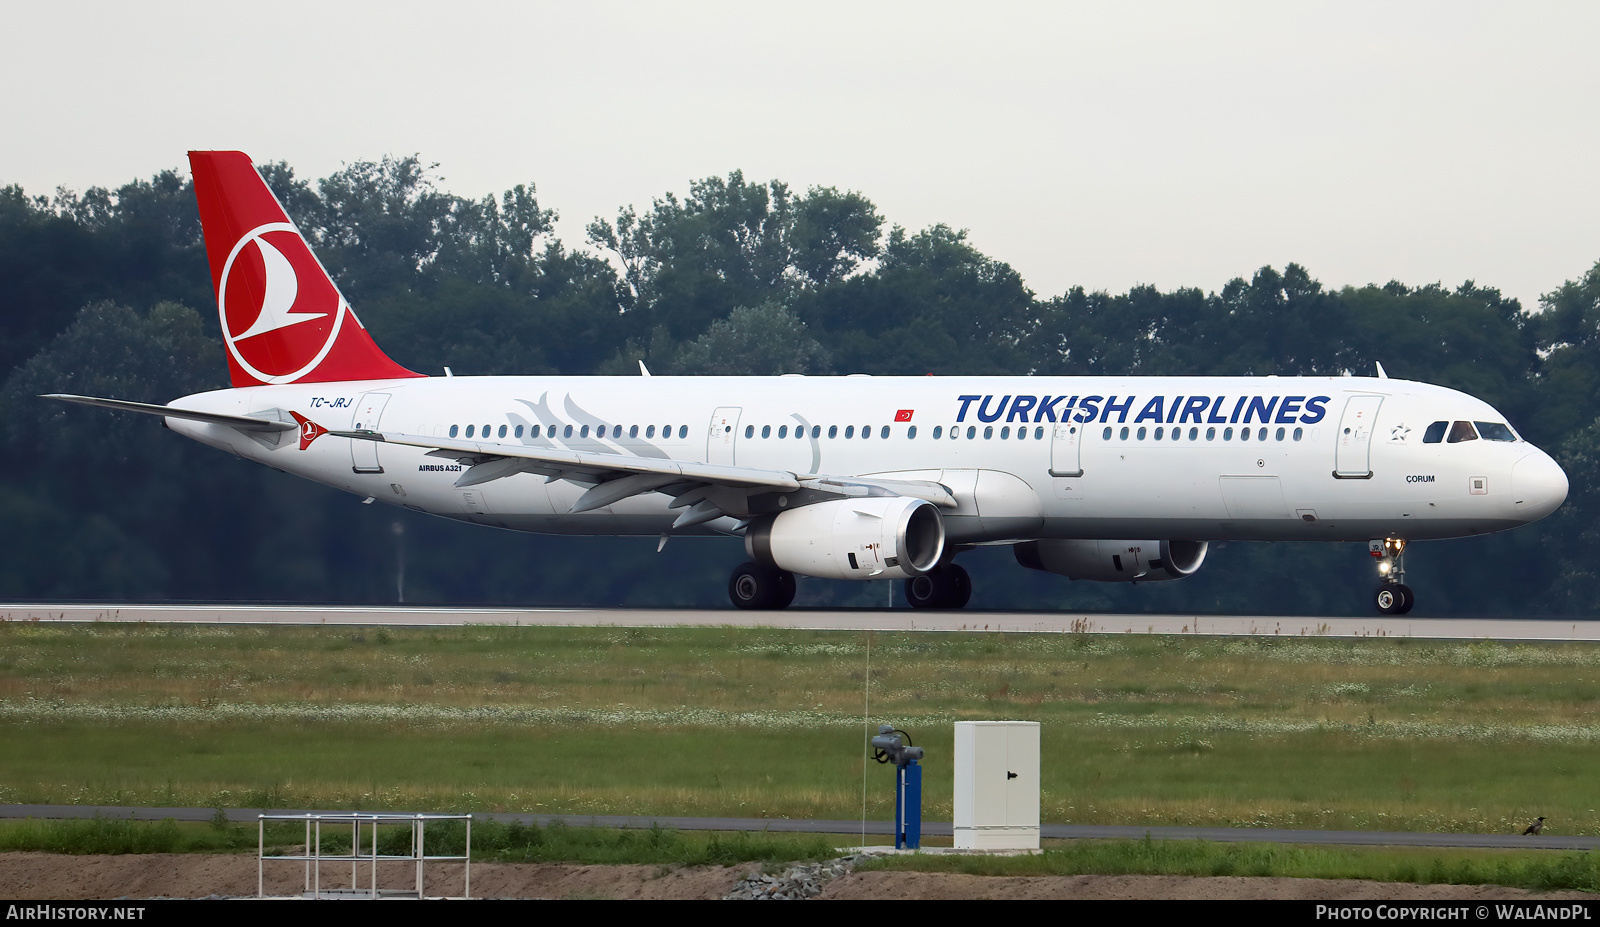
(1266, 458)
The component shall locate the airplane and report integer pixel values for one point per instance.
(1113, 479)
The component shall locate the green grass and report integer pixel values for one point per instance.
(1539, 871)
(492, 841)
(1388, 734)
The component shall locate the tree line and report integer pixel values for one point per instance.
(108, 293)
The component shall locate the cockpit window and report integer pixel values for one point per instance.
(1435, 433)
(1495, 431)
(1462, 431)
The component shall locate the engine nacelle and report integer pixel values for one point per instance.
(1113, 561)
(876, 537)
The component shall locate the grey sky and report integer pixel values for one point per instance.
(1097, 144)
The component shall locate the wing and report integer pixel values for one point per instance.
(707, 491)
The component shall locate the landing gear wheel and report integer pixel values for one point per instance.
(754, 586)
(946, 586)
(786, 590)
(1409, 596)
(1392, 599)
(963, 587)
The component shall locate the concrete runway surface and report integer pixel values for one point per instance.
(1504, 629)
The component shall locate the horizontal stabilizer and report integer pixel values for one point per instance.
(241, 422)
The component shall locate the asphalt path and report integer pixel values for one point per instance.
(876, 828)
(896, 619)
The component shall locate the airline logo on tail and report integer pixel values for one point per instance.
(283, 320)
(309, 430)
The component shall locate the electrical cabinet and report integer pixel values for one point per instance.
(997, 785)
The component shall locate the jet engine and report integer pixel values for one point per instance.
(876, 537)
(1113, 561)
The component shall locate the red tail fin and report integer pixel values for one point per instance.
(283, 320)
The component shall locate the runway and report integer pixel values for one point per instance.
(879, 829)
(1506, 629)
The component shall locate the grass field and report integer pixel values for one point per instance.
(1265, 731)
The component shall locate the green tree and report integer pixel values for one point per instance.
(763, 340)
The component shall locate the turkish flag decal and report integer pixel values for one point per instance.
(904, 415)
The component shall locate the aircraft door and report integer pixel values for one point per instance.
(364, 454)
(722, 435)
(1066, 449)
(1352, 458)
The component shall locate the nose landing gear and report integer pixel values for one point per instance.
(1394, 597)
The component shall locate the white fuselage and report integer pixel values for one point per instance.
(1025, 457)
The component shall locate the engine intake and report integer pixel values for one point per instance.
(877, 537)
(1113, 561)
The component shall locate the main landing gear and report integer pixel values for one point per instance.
(944, 586)
(1394, 597)
(755, 586)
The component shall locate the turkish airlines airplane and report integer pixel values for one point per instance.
(1117, 479)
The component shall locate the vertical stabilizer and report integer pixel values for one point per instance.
(283, 320)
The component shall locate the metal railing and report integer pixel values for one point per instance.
(313, 857)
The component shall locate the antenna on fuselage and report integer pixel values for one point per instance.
(643, 370)
(1381, 374)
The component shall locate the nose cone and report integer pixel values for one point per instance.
(1538, 486)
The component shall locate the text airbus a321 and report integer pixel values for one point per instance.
(1119, 479)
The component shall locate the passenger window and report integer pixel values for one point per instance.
(1435, 433)
(749, 431)
(849, 431)
(502, 431)
(1227, 434)
(866, 431)
(988, 432)
(1280, 434)
(683, 431)
(1244, 434)
(938, 432)
(1140, 435)
(912, 432)
(633, 431)
(470, 429)
(1194, 434)
(1298, 432)
(972, 432)
(1158, 433)
(783, 431)
(1495, 431)
(816, 431)
(453, 430)
(766, 431)
(1106, 435)
(1461, 431)
(1211, 434)
(518, 432)
(534, 432)
(884, 433)
(650, 431)
(1262, 434)
(566, 432)
(1038, 433)
(583, 432)
(1005, 432)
